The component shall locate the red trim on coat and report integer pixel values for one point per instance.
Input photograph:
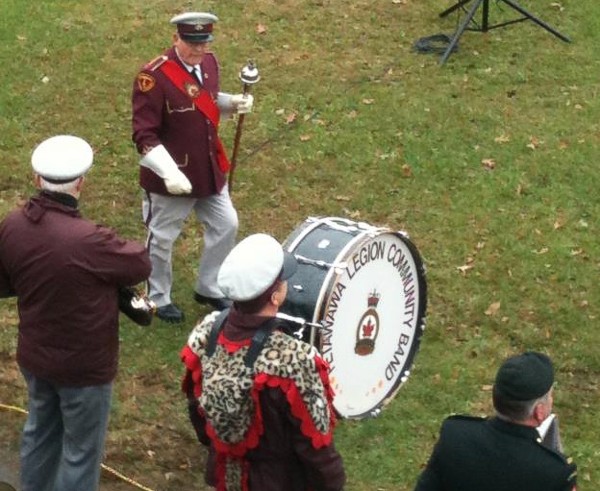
(202, 100)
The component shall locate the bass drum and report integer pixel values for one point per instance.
(365, 286)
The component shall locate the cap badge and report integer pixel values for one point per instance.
(198, 26)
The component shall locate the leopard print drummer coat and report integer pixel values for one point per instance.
(269, 426)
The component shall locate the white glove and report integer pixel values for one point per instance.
(162, 164)
(243, 103)
(232, 103)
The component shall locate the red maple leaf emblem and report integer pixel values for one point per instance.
(368, 328)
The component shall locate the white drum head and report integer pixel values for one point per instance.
(373, 317)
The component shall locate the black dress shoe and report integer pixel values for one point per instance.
(170, 313)
(217, 303)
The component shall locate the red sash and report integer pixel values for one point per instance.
(203, 101)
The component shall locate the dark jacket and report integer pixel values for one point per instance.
(284, 459)
(476, 454)
(65, 272)
(163, 114)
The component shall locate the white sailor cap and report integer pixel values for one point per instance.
(62, 158)
(195, 27)
(253, 266)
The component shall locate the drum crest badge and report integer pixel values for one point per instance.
(368, 327)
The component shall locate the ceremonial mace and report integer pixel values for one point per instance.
(249, 76)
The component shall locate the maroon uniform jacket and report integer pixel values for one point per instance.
(282, 450)
(164, 114)
(65, 272)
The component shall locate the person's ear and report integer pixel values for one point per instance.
(37, 180)
(540, 413)
(278, 296)
(79, 184)
(275, 300)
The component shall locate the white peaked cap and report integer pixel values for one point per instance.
(62, 158)
(253, 266)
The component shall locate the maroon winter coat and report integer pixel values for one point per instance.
(65, 272)
(163, 114)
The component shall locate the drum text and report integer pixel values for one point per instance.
(328, 322)
(369, 252)
(397, 361)
(399, 260)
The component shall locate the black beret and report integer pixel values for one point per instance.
(525, 377)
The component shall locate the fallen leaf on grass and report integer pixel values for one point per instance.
(290, 119)
(493, 309)
(502, 139)
(489, 164)
(261, 29)
(534, 143)
(406, 171)
(464, 268)
(352, 213)
(368, 101)
(304, 138)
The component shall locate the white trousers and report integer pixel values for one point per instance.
(164, 217)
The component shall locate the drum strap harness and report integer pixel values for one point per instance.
(258, 340)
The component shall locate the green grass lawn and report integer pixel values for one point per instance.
(489, 163)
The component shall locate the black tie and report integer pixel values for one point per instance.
(194, 74)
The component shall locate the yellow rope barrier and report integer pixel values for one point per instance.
(105, 467)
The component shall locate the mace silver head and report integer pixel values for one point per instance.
(249, 74)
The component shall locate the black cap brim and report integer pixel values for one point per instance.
(200, 38)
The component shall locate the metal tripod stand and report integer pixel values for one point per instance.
(485, 24)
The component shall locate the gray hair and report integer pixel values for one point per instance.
(518, 411)
(63, 187)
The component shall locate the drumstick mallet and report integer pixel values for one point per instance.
(248, 76)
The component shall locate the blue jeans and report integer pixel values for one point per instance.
(63, 437)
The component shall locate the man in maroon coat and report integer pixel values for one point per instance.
(177, 106)
(65, 272)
